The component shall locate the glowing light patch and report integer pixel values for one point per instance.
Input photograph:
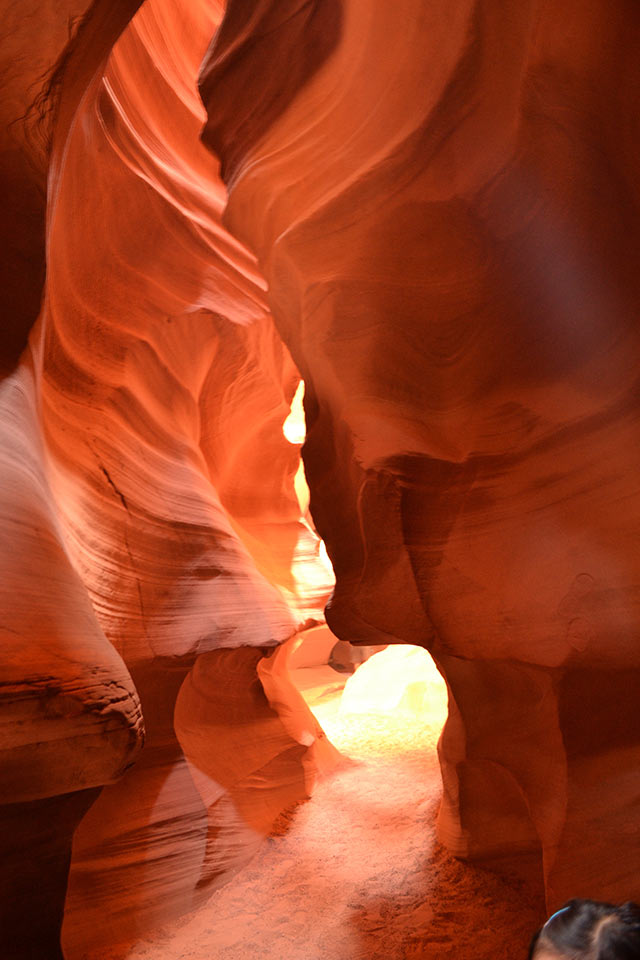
(400, 679)
(294, 427)
(295, 430)
(302, 490)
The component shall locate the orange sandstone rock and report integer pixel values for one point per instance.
(148, 505)
(446, 213)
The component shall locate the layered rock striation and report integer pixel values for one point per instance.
(446, 212)
(442, 206)
(150, 522)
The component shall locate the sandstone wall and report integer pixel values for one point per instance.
(149, 512)
(444, 203)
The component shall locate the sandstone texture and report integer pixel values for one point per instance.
(446, 213)
(148, 511)
(428, 212)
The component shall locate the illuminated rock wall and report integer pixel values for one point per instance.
(148, 513)
(444, 201)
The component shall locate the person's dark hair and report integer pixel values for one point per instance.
(589, 930)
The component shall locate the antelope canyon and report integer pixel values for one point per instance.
(320, 496)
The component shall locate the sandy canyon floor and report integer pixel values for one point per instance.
(356, 872)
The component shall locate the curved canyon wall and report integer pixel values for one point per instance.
(443, 202)
(156, 542)
(446, 211)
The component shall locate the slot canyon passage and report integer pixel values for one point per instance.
(393, 714)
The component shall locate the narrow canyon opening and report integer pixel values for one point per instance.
(354, 869)
(222, 730)
(347, 685)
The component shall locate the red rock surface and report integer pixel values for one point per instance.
(149, 502)
(446, 213)
(357, 871)
(442, 209)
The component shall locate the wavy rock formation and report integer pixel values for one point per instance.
(148, 500)
(444, 201)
